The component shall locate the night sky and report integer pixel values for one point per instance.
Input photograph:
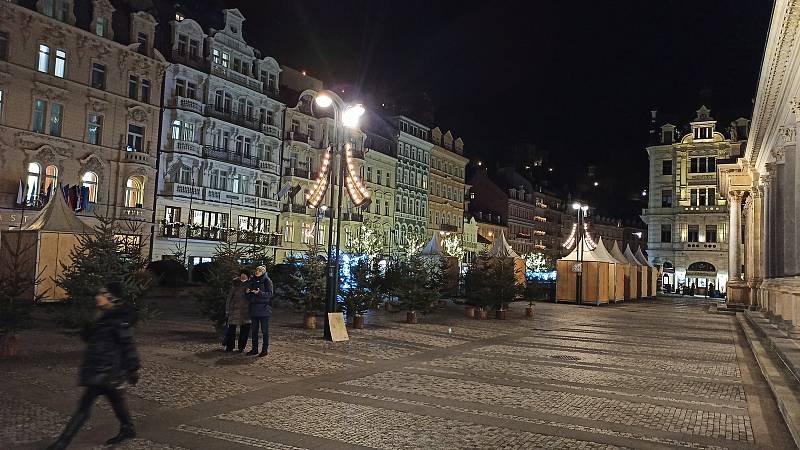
(576, 78)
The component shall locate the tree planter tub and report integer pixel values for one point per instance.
(411, 317)
(310, 322)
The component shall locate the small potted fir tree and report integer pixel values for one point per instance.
(415, 287)
(361, 292)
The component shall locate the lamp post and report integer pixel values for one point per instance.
(350, 115)
(581, 211)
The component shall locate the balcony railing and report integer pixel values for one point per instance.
(229, 115)
(296, 172)
(256, 238)
(190, 104)
(268, 166)
(270, 130)
(221, 154)
(268, 203)
(138, 158)
(236, 77)
(301, 209)
(208, 233)
(184, 190)
(271, 91)
(187, 147)
(297, 136)
(188, 59)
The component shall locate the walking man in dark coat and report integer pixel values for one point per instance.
(259, 294)
(237, 312)
(109, 361)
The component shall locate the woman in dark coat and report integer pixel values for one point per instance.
(110, 360)
(259, 293)
(237, 311)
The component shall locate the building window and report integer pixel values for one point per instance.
(39, 111)
(3, 46)
(194, 48)
(134, 192)
(288, 231)
(61, 63)
(666, 233)
(133, 87)
(101, 26)
(98, 76)
(135, 138)
(94, 129)
(215, 56)
(48, 7)
(43, 62)
(56, 119)
(145, 91)
(62, 13)
(185, 175)
(191, 90)
(666, 167)
(50, 177)
(182, 130)
(171, 215)
(311, 131)
(226, 59)
(712, 164)
(666, 198)
(141, 38)
(32, 184)
(89, 181)
(180, 87)
(711, 233)
(183, 44)
(694, 233)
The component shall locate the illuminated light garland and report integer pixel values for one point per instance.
(314, 196)
(355, 188)
(571, 239)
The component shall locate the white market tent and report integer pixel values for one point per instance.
(641, 272)
(594, 276)
(616, 273)
(629, 272)
(434, 247)
(652, 273)
(501, 248)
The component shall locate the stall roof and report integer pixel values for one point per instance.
(601, 251)
(640, 256)
(56, 216)
(434, 247)
(629, 256)
(501, 249)
(617, 254)
(589, 254)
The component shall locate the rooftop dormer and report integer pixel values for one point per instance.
(667, 133)
(233, 23)
(703, 125)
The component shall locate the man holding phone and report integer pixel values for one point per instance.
(259, 294)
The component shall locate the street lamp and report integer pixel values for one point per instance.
(350, 116)
(581, 210)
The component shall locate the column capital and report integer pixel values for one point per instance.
(757, 191)
(735, 196)
(778, 154)
(787, 134)
(794, 107)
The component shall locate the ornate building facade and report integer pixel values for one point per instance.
(413, 166)
(687, 218)
(446, 187)
(761, 184)
(219, 164)
(79, 107)
(380, 167)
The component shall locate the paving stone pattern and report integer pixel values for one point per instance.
(660, 373)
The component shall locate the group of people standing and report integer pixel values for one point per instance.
(249, 307)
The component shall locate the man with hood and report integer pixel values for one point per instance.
(259, 294)
(109, 361)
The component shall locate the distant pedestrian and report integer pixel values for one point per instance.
(110, 360)
(259, 294)
(237, 312)
(691, 290)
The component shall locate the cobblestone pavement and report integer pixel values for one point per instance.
(656, 374)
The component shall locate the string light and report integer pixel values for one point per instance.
(587, 237)
(355, 188)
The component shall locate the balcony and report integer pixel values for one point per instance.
(268, 166)
(256, 238)
(271, 91)
(170, 230)
(296, 172)
(189, 104)
(297, 136)
(182, 190)
(227, 197)
(267, 203)
(228, 115)
(207, 233)
(221, 154)
(134, 214)
(353, 217)
(238, 78)
(271, 130)
(192, 148)
(292, 208)
(704, 246)
(705, 209)
(138, 158)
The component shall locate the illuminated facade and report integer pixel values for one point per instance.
(378, 173)
(687, 219)
(413, 166)
(446, 183)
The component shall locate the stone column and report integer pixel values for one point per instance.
(766, 234)
(734, 231)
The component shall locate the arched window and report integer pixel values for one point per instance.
(89, 180)
(134, 192)
(219, 97)
(32, 184)
(227, 102)
(50, 178)
(242, 106)
(249, 111)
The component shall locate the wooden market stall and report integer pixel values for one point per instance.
(594, 276)
(501, 249)
(40, 248)
(629, 273)
(433, 253)
(652, 273)
(637, 269)
(616, 274)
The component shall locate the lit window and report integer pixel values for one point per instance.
(39, 111)
(101, 26)
(89, 180)
(135, 138)
(179, 16)
(226, 59)
(50, 178)
(61, 63)
(32, 185)
(215, 54)
(56, 119)
(43, 64)
(134, 192)
(94, 129)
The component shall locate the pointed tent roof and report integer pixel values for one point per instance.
(640, 256)
(588, 254)
(629, 256)
(501, 249)
(601, 252)
(434, 247)
(56, 216)
(617, 254)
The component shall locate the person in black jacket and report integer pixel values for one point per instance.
(259, 294)
(110, 360)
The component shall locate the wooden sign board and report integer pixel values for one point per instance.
(338, 330)
(577, 267)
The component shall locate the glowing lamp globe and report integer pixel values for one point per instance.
(323, 101)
